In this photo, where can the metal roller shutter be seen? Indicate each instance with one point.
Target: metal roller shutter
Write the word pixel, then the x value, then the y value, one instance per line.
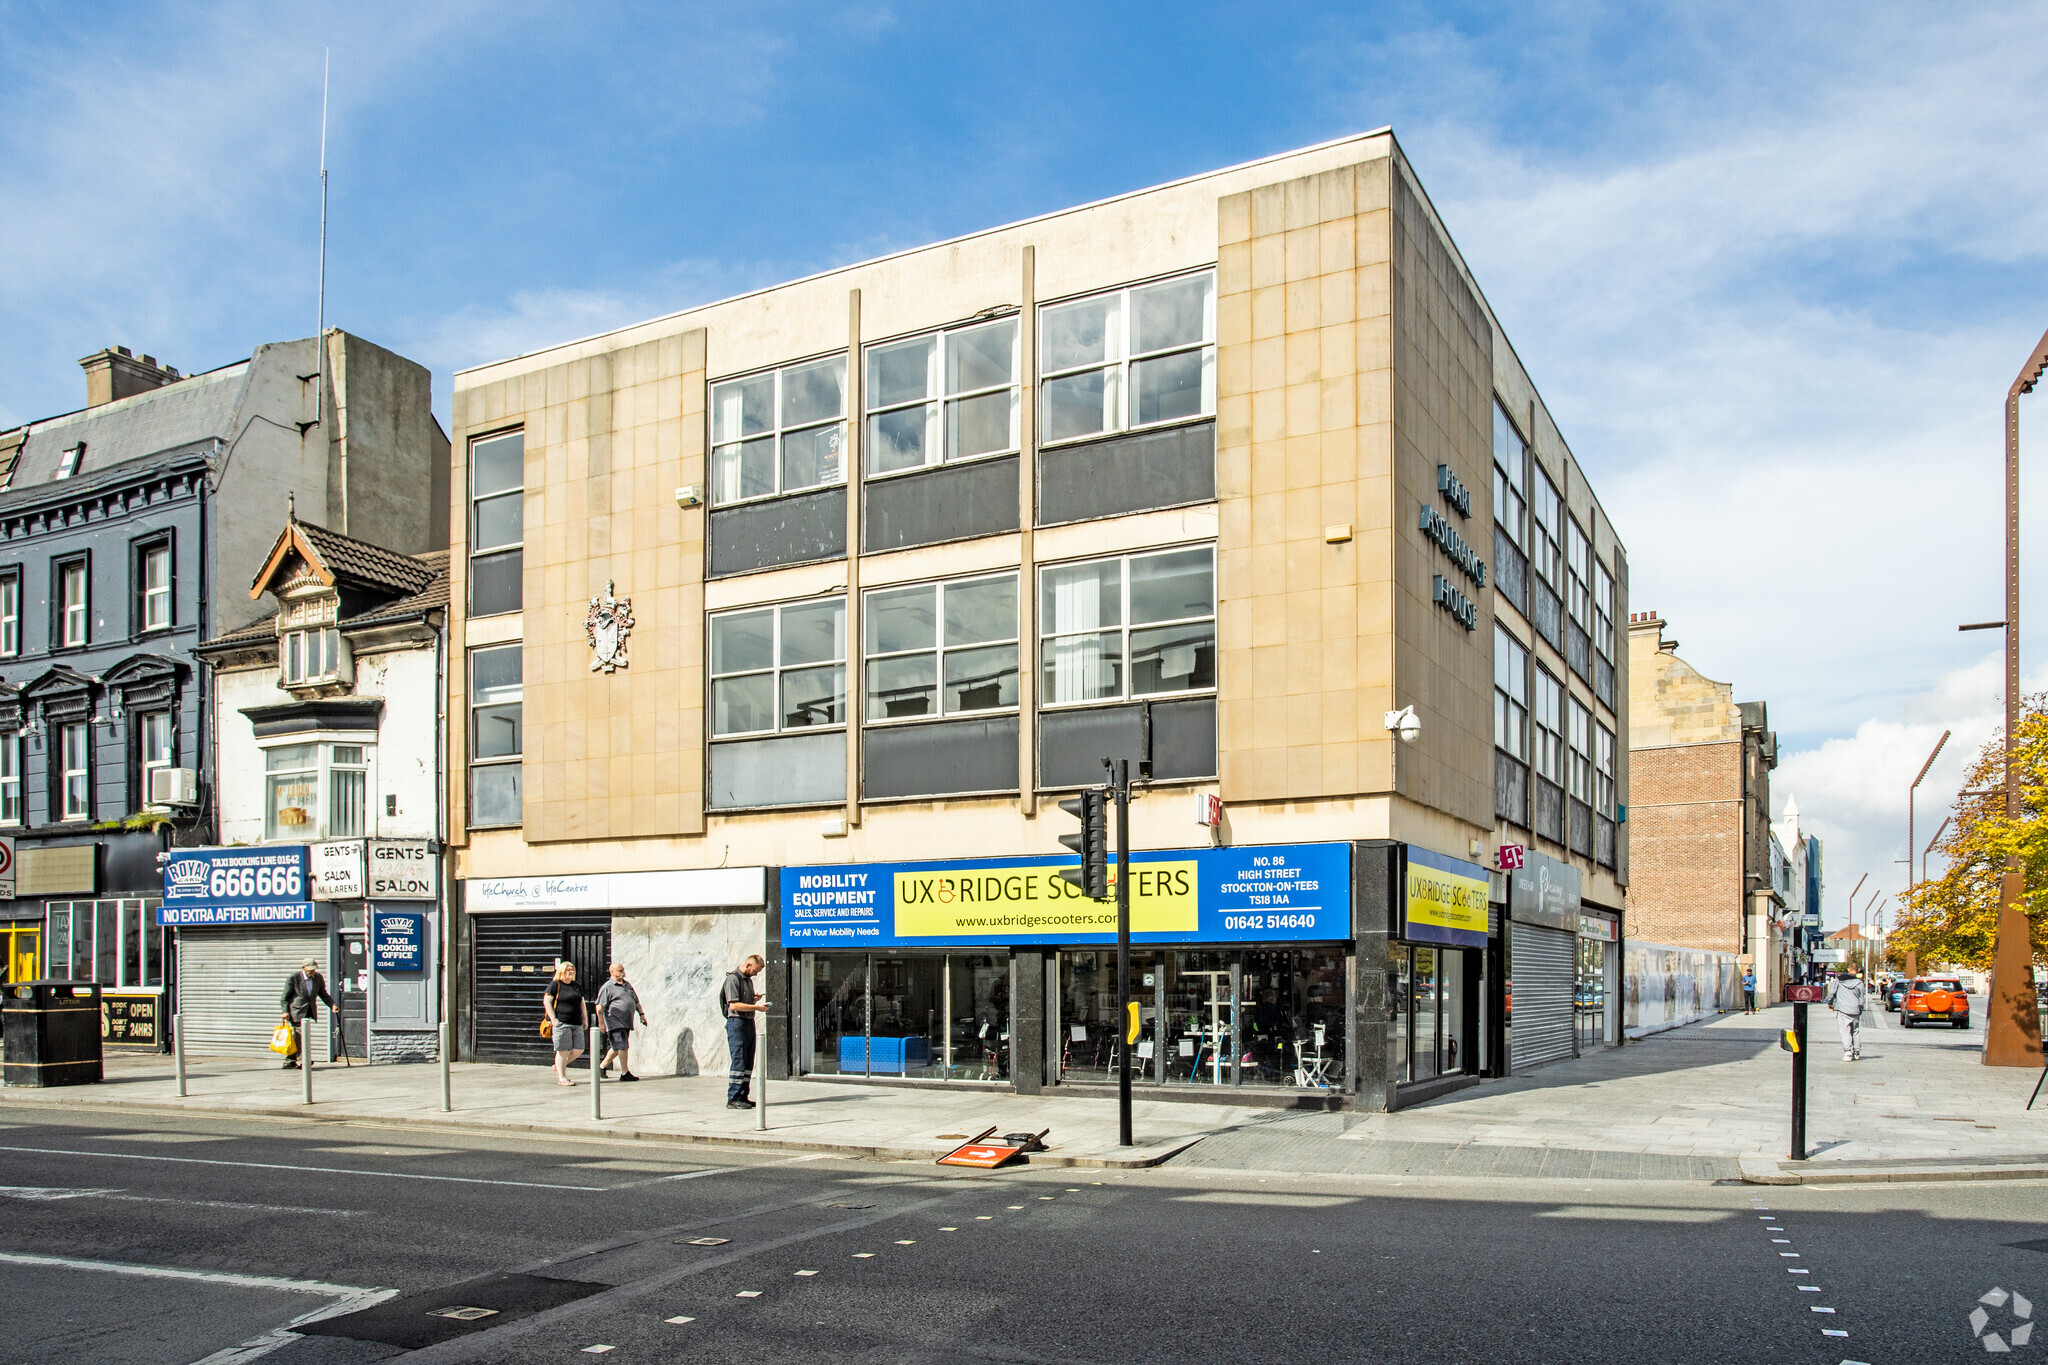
pixel 229 981
pixel 515 958
pixel 1545 970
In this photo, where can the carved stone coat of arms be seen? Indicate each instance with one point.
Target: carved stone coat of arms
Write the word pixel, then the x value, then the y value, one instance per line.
pixel 609 623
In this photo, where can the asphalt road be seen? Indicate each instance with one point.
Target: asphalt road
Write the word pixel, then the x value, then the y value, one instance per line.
pixel 173 1240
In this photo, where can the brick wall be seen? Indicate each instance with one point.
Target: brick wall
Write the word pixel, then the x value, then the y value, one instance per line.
pixel 1685 845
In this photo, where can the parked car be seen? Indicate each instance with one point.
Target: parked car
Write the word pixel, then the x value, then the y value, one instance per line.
pixel 1935 1000
pixel 1895 994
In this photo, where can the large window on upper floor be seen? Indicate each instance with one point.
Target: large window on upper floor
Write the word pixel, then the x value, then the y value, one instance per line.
pixel 311 656
pixel 496 734
pixel 313 791
pixel 1510 695
pixel 1510 476
pixel 1579 570
pixel 1128 358
pixel 72 626
pixel 1132 626
pixel 1548 715
pixel 1603 611
pixel 73 749
pixel 497 523
pixel 779 668
pixel 10 780
pixel 10 614
pixel 1580 783
pixel 154 749
pixel 1546 531
pixel 151 570
pixel 941 649
pixel 942 397
pixel 1603 770
pixel 780 431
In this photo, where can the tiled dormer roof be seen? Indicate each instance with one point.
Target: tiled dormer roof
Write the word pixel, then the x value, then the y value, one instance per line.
pixel 344 561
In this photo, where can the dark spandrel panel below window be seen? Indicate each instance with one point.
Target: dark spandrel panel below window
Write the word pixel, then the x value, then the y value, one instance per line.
pixel 785 770
pixel 798 529
pixel 1603 680
pixel 1549 811
pixel 1072 744
pixel 937 759
pixel 951 502
pixel 1510 789
pixel 1133 473
pixel 494 794
pixel 1547 613
pixel 1581 820
pixel 494 583
pixel 1603 841
pixel 1510 571
pixel 1579 650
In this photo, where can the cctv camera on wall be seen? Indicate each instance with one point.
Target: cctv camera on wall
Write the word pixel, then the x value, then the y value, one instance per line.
pixel 1405 723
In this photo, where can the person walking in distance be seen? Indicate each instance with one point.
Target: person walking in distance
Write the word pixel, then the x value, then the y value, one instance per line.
pixel 1847 999
pixel 737 1003
pixel 617 1003
pixel 569 1014
pixel 1749 991
pixel 303 992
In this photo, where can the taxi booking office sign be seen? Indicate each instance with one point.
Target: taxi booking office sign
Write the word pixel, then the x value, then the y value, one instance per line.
pixel 1261 894
pixel 237 886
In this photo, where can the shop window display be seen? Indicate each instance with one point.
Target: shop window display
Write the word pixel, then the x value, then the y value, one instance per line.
pixel 937 1016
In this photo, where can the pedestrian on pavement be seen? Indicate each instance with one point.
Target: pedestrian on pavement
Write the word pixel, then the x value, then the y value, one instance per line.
pixel 304 989
pixel 617 1003
pixel 1749 991
pixel 1847 999
pixel 569 1014
pixel 737 1003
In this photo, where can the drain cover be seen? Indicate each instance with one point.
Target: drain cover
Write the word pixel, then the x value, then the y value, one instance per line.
pixel 707 1241
pixel 463 1314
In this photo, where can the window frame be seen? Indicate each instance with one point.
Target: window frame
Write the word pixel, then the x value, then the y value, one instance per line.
pixel 939 649
pixel 1604 781
pixel 1548 757
pixel 144 555
pixel 1578 562
pixel 1510 488
pixel 10 614
pixel 1579 748
pixel 1125 694
pixel 473 706
pixel 1603 610
pixel 64 773
pixel 778 431
pixel 13 808
pixel 937 401
pixel 1125 358
pixel 61 570
pixel 474 552
pixel 307 643
pixel 69 460
pixel 1546 545
pixel 1509 709
pixel 144 763
pixel 319 774
pixel 775 670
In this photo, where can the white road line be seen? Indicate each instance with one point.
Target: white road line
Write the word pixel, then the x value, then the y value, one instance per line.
pixel 311 1170
pixel 49 1192
pixel 348 1298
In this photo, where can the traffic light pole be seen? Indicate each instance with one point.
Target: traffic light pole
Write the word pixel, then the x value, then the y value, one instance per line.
pixel 1120 783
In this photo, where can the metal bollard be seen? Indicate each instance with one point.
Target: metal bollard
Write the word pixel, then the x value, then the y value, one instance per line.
pixel 178 1050
pixel 596 1082
pixel 761 1065
pixel 305 1066
pixel 447 1099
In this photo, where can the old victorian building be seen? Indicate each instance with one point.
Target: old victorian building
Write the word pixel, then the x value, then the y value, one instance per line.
pixel 129 531
pixel 327 721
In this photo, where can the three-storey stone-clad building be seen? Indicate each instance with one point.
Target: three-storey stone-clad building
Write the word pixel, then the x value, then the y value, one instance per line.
pixel 786 620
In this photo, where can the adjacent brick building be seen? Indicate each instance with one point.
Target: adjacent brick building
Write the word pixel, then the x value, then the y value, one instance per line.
pixel 1700 771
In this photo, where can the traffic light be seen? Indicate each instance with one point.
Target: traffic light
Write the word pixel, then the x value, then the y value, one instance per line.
pixel 1091 841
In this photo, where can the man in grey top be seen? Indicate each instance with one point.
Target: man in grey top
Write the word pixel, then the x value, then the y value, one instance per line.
pixel 736 1001
pixel 617 1003
pixel 1847 999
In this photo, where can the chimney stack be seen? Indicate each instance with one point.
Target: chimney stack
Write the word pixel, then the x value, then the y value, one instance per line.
pixel 117 373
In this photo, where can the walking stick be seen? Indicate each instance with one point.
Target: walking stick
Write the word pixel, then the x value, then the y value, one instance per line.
pixel 2037 1088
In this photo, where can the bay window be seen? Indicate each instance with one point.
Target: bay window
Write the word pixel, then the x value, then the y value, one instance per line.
pixel 1132 626
pixel 942 397
pixel 309 656
pixel 295 778
pixel 1128 358
pixel 779 431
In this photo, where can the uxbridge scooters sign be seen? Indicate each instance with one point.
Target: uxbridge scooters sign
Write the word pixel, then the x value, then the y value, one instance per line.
pixel 236 886
pixel 1269 893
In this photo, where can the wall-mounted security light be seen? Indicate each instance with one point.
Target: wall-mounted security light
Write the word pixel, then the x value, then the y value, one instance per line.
pixel 690 495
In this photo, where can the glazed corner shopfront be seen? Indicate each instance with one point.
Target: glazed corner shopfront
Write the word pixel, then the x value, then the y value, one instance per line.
pixel 1313 974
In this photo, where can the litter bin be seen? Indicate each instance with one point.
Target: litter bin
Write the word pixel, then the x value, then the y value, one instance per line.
pixel 51 1033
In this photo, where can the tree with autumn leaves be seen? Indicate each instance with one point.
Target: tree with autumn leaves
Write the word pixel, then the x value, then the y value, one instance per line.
pixel 1953 918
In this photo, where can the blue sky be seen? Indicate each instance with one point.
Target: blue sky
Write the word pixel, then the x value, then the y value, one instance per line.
pixel 1772 267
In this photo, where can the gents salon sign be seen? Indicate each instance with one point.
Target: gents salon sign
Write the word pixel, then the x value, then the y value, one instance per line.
pixel 1266 893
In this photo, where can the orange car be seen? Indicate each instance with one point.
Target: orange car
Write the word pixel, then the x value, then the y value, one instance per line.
pixel 1935 1000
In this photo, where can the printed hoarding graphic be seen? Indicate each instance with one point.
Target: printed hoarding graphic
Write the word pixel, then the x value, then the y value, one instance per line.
pixel 1445 899
pixel 1224 895
pixel 237 886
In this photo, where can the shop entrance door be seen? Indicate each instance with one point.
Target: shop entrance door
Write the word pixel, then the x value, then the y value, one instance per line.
pixel 352 997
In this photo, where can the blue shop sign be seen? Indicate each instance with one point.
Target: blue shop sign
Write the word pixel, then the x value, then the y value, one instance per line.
pixel 396 937
pixel 1261 894
pixel 236 886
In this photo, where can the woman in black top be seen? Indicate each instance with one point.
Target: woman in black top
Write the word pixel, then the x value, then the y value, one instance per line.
pixel 569 1012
